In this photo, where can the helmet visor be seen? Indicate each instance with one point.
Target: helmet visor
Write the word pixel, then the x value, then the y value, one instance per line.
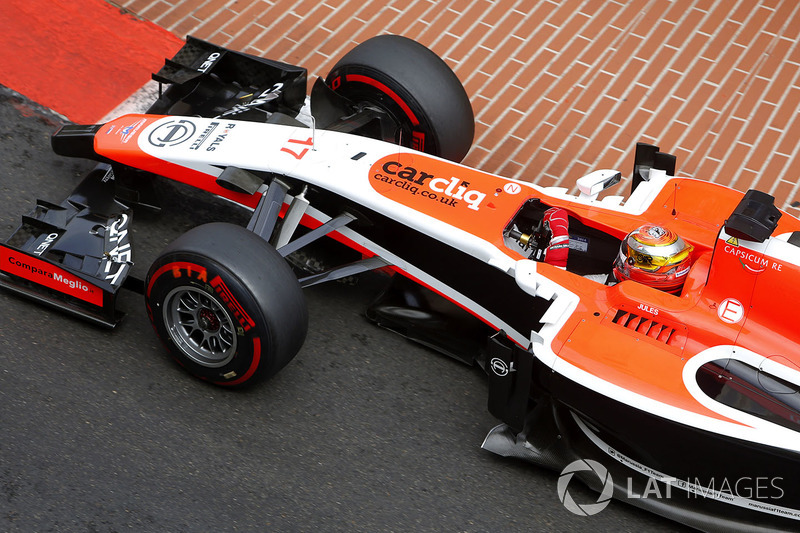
pixel 652 248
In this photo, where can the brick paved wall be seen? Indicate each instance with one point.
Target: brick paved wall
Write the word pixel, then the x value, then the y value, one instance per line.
pixel 560 88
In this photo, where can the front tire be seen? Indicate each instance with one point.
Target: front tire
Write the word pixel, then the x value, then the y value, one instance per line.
pixel 415 86
pixel 226 305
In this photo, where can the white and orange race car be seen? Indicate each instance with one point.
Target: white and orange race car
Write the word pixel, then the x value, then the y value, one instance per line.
pixel 654 334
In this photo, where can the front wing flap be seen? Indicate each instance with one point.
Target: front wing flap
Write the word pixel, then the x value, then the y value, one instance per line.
pixel 211 81
pixel 75 255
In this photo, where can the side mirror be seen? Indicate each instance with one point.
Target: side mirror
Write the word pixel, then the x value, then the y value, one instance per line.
pixel 594 183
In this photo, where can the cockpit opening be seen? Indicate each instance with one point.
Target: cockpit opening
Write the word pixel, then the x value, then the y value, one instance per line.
pixel 532 231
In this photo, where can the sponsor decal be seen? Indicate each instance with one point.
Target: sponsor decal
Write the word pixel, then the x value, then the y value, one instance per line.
pixel 126 133
pixel 49 275
pixel 210 60
pixel 122 254
pixel 172 133
pixel 203 136
pixel 220 137
pixel 45 243
pixel 273 93
pixel 751 261
pixel 448 191
pixel 118 231
pixel 499 367
pixel 233 305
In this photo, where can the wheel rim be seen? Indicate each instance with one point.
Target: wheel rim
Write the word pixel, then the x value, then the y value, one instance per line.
pixel 200 326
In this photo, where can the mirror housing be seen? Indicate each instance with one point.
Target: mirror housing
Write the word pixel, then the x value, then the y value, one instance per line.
pixel 595 182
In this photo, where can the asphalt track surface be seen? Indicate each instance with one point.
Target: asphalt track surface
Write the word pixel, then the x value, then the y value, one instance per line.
pixel 363 431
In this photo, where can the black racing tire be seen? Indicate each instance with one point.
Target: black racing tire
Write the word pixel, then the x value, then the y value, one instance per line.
pixel 415 86
pixel 226 305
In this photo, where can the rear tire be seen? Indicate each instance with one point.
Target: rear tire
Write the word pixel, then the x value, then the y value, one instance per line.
pixel 226 305
pixel 415 86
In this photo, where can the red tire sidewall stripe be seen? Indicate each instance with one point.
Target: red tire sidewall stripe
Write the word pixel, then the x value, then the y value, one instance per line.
pixel 193 267
pixel 169 266
pixel 250 371
pixel 384 89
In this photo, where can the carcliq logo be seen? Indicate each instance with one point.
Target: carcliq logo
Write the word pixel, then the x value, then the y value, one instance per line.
pixel 468 199
pixel 585 465
pixel 448 191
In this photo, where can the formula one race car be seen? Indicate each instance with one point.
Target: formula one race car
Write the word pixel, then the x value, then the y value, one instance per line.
pixel 655 335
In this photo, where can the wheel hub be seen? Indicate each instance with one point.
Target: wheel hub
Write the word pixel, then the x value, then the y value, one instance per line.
pixel 207 320
pixel 200 326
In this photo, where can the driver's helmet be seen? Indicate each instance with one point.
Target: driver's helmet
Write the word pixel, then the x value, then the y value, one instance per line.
pixel 655 256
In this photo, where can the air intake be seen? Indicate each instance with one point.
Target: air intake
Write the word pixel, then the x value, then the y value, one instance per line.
pixel 649 328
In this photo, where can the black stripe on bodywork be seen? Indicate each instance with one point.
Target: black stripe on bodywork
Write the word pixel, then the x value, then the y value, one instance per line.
pixel 489 287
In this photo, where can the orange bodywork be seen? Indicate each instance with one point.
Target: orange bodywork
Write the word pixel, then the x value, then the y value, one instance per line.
pixel 631 335
pixel 628 335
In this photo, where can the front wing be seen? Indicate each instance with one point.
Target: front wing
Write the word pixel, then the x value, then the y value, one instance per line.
pixel 75 255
